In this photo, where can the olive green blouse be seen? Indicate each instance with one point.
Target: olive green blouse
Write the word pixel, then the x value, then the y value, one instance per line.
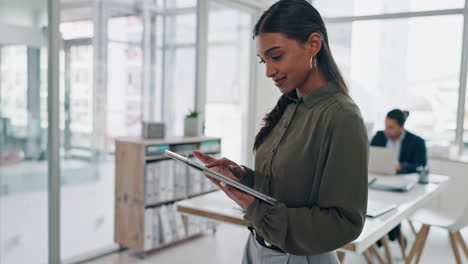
pixel 314 161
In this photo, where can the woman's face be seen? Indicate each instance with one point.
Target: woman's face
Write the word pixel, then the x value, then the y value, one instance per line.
pixel 286 60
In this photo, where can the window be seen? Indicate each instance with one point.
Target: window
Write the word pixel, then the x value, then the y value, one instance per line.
pixel 228 75
pixel 77 29
pixel 392 64
pixel 176 65
pixel 124 83
pixel 410 62
pixel 338 8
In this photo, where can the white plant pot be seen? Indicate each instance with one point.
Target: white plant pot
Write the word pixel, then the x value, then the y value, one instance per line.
pixel 193 127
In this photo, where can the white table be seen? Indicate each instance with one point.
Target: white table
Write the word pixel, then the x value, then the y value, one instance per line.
pixel 219 207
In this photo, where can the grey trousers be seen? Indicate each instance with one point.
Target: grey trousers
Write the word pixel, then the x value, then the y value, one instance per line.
pixel 254 253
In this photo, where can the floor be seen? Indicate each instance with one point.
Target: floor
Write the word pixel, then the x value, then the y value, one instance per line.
pixel 87 211
pixel 226 246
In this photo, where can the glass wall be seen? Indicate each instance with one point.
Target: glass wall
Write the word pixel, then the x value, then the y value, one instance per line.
pixel 96 111
pixel 176 40
pixel 23 134
pixel 228 76
pixel 101 98
pixel 124 93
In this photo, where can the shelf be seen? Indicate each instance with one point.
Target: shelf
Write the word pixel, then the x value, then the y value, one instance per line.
pixel 151 205
pixel 130 172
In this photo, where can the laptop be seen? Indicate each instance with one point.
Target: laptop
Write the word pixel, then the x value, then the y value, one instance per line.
pixel 382 161
pixel 392 184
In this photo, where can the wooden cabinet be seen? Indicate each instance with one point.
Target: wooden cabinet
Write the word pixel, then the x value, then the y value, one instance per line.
pixel 146 180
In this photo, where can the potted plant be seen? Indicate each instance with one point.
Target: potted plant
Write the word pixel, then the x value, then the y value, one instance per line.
pixel 193 126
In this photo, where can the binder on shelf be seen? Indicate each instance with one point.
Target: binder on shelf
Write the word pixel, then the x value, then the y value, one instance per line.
pixel 172 223
pixel 156 167
pixel 156 228
pixel 166 229
pixel 153 150
pixel 179 225
pixel 209 185
pixel 148 229
pixel 163 180
pixel 180 176
pixel 195 179
pixel 185 147
pixel 171 180
pixel 149 183
pixel 210 146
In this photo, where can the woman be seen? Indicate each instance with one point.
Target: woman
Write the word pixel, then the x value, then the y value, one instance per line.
pixel 410 149
pixel 311 154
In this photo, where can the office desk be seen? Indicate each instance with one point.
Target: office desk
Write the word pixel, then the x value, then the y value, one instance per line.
pixel 219 207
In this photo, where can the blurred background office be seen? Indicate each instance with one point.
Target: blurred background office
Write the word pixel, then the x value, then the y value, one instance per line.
pixel 124 61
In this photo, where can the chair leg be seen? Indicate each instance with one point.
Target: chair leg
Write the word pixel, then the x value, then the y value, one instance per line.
pixel 402 243
pixel 340 255
pixel 422 246
pixel 412 228
pixel 373 249
pixel 462 243
pixel 368 256
pixel 388 254
pixel 453 242
pixel 418 243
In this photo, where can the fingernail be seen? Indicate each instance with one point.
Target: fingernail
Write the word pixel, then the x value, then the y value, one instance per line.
pixel 223 184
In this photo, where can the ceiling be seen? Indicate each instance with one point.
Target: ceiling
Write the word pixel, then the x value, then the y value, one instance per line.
pixel 34 12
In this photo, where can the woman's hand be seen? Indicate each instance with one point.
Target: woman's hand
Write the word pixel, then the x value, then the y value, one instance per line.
pixel 229 169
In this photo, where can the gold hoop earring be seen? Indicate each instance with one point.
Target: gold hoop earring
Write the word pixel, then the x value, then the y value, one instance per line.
pixel 315 62
pixel 311 62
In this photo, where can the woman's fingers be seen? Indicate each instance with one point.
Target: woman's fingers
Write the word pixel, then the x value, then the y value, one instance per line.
pixel 203 157
pixel 236 170
pixel 211 162
pixel 221 162
pixel 226 172
pixel 232 166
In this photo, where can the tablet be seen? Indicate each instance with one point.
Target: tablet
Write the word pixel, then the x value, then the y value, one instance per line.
pixel 221 177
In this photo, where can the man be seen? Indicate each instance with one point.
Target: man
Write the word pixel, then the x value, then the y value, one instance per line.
pixel 410 150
